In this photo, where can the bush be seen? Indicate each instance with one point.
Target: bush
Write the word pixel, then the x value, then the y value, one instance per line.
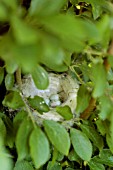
pixel 63 36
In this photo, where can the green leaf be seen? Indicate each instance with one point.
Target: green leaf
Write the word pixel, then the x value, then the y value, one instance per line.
pixel 100 80
pixel 51 49
pixel 109 142
pixel 9 81
pixel 110 60
pixel 110 77
pixel 39 104
pixel 72 26
pixel 67 58
pixel 69 169
pixel 106 157
pixel 70 30
pixel 22 138
pixel 83 98
pixel 105 107
pixel 22 56
pixel 54 156
pixel 60 156
pixel 13 100
pixel 102 126
pixel 1 74
pixel 55 166
pixel 40 77
pixel 95 165
pixel 65 112
pixel 2 115
pixel 43 7
pixel 12 4
pixel 74 2
pixel 23 165
pixel 2 133
pixel 96 10
pixel 93 135
pixel 9 132
pixel 11 66
pixel 103 26
pixel 74 157
pixel 6 39
pixel 97 6
pixel 58 136
pixel 39 147
pixel 3 13
pixel 6 162
pixel 81 144
pixel 111 126
pixel 20 116
pixel 22 32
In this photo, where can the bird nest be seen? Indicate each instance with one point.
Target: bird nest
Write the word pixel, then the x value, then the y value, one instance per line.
pixel 62 91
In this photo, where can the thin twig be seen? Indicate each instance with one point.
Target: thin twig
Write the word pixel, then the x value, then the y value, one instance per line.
pixel 110 52
pixel 73 70
pixel 18 78
pixel 86 114
pixel 28 109
pixel 19 82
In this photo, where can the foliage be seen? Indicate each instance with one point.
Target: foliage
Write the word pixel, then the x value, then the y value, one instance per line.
pixel 72 36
